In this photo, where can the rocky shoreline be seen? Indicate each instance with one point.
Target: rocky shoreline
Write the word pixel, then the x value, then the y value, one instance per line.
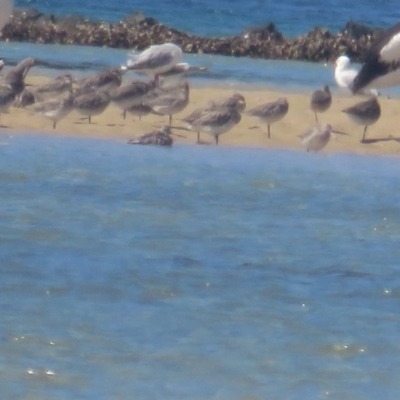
pixel 138 32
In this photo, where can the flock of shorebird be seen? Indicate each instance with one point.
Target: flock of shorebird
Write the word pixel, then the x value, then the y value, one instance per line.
pixel 91 95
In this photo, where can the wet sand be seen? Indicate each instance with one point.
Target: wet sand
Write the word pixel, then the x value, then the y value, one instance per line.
pixel 383 137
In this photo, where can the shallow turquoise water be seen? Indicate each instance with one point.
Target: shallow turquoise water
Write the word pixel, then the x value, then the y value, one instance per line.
pixel 196 272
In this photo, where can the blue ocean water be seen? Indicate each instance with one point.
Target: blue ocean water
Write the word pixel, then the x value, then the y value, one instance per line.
pixel 196 272
pixel 230 17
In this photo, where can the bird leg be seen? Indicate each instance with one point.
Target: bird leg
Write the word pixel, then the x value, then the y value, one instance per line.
pixel 365 131
pixel 54 124
pixel 316 117
pixel 198 137
pixel 170 120
pixel 269 132
pixel 216 139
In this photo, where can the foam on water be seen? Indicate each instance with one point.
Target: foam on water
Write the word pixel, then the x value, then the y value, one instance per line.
pixel 196 272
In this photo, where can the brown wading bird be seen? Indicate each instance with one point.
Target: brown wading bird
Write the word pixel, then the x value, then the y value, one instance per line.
pixel 171 101
pixel 365 113
pixel 270 113
pixel 158 138
pixel 54 109
pixel 107 80
pixel 12 83
pixel 55 87
pixel 139 110
pixel 127 96
pixel 236 101
pixel 214 121
pixel 94 102
pixel 191 119
pixel 321 100
pixel 15 77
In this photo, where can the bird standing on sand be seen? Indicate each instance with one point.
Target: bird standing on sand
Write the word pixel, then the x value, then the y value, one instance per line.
pixel 94 102
pixel 270 112
pixel 171 102
pixel 382 63
pixel 215 121
pixel 131 94
pixel 15 77
pixel 156 60
pixel 107 80
pixel 12 83
pixel 365 113
pixel 139 110
pixel 321 100
pixel 54 109
pixel 7 97
pixel 158 138
pixel 236 101
pixel 55 87
pixel 191 119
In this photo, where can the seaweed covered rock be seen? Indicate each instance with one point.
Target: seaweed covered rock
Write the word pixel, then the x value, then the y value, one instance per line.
pixel 137 31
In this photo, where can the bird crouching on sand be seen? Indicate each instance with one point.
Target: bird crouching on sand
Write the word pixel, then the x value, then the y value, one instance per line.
pixel 316 137
pixel 157 138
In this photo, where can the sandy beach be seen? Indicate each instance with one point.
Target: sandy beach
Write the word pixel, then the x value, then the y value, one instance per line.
pixel 383 137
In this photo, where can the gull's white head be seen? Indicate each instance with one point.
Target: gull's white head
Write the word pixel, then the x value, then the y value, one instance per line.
pixel 342 62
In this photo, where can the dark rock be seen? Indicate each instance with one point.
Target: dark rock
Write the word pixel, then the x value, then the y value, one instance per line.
pixel 262 32
pixel 138 32
pixel 139 18
pixel 354 30
pixel 27 14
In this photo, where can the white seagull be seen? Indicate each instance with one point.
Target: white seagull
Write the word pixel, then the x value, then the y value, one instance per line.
pixel 156 60
pixel 382 63
pixel 344 75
